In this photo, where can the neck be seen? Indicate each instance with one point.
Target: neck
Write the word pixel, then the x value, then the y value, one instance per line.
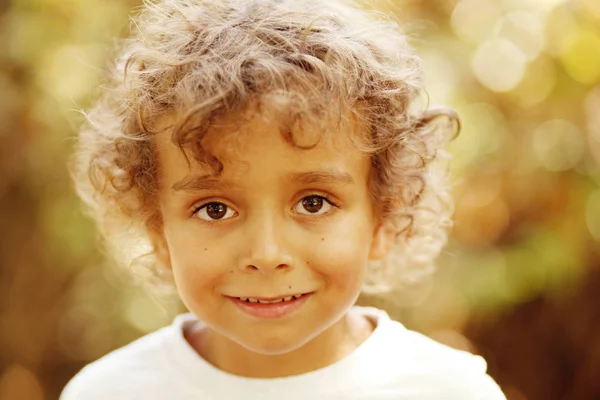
pixel 330 346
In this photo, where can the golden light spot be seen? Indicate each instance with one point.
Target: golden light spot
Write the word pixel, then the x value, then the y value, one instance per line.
pixel 499 65
pixel 70 72
pixel 441 78
pixel 580 56
pixel 558 145
pixel 525 29
pixel 537 84
pixel 143 313
pixel 473 20
pixel 484 130
pixel 560 24
pixel 590 7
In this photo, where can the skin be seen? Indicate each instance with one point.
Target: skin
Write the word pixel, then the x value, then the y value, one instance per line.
pixel 267 232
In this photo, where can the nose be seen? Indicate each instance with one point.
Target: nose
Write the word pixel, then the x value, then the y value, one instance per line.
pixel 264 245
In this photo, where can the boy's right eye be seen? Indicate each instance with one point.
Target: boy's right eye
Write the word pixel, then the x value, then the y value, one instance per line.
pixel 214 211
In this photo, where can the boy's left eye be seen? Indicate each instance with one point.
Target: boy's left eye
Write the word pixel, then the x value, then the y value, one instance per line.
pixel 214 211
pixel 313 205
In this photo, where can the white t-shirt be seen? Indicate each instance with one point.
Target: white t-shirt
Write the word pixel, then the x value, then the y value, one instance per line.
pixel 393 363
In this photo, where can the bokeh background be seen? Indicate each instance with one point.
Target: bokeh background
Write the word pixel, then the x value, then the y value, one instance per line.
pixel 519 282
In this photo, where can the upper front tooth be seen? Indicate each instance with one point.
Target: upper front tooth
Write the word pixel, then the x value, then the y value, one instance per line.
pixel 252 300
pixel 296 296
pixel 243 298
pixel 269 301
pixel 288 298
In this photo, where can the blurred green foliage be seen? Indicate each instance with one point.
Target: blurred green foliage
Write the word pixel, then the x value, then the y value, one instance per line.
pixel 523 75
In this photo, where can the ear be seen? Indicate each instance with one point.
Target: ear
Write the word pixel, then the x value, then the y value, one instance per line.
pixel 382 242
pixel 161 248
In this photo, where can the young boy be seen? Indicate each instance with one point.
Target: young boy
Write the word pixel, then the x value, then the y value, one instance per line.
pixel 266 158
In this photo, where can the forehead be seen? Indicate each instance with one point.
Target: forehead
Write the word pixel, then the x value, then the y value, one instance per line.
pixel 268 142
pixel 332 131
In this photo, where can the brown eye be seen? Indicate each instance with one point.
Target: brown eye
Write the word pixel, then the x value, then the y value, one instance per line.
pixel 214 211
pixel 313 205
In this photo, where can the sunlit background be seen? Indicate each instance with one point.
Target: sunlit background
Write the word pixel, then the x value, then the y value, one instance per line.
pixel 519 282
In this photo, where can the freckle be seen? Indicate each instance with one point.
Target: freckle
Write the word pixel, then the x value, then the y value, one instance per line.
pixel 308 262
pixel 205 249
pixel 289 287
pixel 231 272
pixel 322 239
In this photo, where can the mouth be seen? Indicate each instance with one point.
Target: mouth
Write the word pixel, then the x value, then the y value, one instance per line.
pixel 271 307
pixel 271 300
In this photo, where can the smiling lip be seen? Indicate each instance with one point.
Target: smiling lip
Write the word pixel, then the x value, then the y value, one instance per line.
pixel 270 298
pixel 272 310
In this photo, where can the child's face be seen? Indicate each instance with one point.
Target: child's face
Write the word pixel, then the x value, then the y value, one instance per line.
pixel 269 230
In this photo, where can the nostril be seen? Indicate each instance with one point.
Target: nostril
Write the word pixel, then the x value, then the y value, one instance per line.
pixel 258 268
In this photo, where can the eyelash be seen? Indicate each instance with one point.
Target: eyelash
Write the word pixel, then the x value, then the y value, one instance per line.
pixel 327 199
pixel 334 206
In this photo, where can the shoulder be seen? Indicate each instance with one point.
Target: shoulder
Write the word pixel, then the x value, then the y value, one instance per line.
pixel 122 372
pixel 442 370
pixel 430 370
pixel 453 373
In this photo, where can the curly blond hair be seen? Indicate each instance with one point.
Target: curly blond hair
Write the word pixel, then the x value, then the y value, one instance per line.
pixel 204 59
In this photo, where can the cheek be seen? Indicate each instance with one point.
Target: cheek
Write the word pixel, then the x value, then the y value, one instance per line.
pixel 195 262
pixel 342 257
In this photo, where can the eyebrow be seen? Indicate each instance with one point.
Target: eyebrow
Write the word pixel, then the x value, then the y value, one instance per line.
pixel 331 177
pixel 208 182
pixel 200 182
